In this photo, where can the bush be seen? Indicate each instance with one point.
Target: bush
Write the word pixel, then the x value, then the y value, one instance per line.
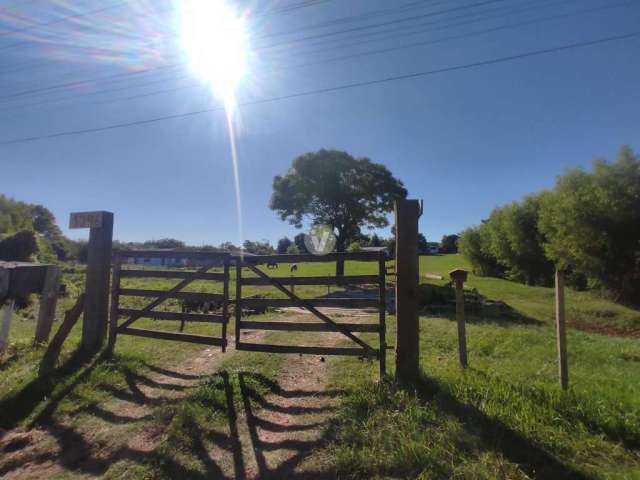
pixel 591 222
pixel 354 247
pixel 588 225
pixel 471 246
pixel 20 247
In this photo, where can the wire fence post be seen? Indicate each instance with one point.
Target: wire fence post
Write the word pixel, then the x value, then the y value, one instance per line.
pixel 561 333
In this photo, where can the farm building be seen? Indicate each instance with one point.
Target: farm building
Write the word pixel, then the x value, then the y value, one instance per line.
pixel 157 261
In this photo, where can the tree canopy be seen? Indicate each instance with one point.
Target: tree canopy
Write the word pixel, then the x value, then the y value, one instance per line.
pixel 588 225
pixel 334 188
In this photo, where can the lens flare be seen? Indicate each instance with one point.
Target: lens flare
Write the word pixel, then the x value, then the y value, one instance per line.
pixel 215 41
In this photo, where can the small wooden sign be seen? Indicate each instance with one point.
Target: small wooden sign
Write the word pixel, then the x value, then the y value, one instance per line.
pixel 86 220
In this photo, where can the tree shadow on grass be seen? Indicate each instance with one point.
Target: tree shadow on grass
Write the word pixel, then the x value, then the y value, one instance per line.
pixel 496 436
pixel 572 407
pixel 21 404
pixel 439 300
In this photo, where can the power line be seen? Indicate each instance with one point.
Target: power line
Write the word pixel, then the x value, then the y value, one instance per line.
pixel 347 86
pixel 113 77
pixel 275 11
pixel 308 64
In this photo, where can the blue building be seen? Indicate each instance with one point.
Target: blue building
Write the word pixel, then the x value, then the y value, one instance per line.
pixel 158 261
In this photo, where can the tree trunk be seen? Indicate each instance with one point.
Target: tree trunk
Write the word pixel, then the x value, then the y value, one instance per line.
pixel 340 248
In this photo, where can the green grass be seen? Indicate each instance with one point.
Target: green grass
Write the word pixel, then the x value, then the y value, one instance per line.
pixel 505 416
pixel 586 308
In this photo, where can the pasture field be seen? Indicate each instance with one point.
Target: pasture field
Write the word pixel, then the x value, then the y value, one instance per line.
pixel 504 417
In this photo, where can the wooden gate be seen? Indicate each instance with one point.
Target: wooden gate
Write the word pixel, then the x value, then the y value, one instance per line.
pixel 286 285
pixel 156 264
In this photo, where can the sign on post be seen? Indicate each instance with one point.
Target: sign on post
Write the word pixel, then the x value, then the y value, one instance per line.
pixel 96 311
pixel 86 219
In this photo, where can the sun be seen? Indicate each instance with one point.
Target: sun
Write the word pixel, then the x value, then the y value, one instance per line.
pixel 215 40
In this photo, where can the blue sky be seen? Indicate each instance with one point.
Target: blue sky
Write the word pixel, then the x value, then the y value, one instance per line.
pixel 463 141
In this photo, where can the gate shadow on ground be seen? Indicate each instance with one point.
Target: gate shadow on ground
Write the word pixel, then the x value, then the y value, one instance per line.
pixel 297 450
pixel 77 450
pixel 496 436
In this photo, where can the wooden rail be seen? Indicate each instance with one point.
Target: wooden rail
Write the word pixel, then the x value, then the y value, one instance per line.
pixel 307 258
pixel 190 317
pixel 346 280
pixel 160 335
pixel 124 273
pixel 186 254
pixel 203 296
pixel 352 351
pixel 314 302
pixel 308 326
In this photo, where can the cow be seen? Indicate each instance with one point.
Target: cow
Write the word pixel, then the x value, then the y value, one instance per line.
pixel 294 267
pixel 272 265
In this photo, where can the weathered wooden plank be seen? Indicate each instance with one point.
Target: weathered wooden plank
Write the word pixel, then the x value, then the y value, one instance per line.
pixel 115 300
pixel 48 301
pixel 238 300
pixel 407 213
pixel 352 351
pixel 308 327
pixel 314 302
pixel 96 310
pixel 346 280
pixel 136 292
pixel 190 317
pixel 183 337
pixel 190 254
pixel 131 273
pixel 71 316
pixel 382 297
pixel 225 304
pixel 304 258
pixel 6 312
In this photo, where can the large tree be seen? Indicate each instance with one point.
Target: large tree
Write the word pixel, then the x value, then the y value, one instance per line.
pixel 334 188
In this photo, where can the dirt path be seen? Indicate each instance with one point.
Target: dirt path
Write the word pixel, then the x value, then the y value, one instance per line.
pixel 111 431
pixel 273 435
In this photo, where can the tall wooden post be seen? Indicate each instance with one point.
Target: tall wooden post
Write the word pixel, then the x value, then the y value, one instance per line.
pixel 459 276
pixel 6 312
pixel 238 310
pixel 561 334
pixel 407 213
pixel 96 311
pixel 382 307
pixel 115 302
pixel 48 301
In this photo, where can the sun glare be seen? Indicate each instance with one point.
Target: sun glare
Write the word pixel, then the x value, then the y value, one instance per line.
pixel 215 40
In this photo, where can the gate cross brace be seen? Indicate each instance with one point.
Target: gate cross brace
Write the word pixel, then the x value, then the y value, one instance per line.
pixel 164 297
pixel 310 307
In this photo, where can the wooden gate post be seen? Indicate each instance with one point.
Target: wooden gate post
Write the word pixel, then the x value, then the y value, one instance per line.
pixel 407 213
pixel 459 276
pixel 48 301
pixel 561 334
pixel 96 311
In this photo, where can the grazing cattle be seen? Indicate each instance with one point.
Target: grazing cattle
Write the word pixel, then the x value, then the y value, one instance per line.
pixel 294 267
pixel 272 266
pixel 194 305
